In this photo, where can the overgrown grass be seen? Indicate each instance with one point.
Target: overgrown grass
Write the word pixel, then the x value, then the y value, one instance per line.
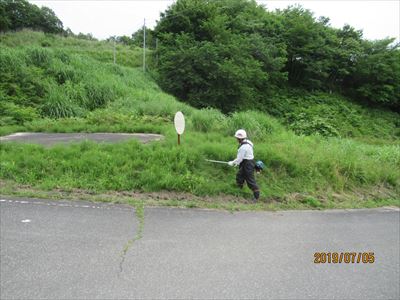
pixel 295 165
pixel 307 146
pixel 101 51
pixel 332 115
pixel 53 83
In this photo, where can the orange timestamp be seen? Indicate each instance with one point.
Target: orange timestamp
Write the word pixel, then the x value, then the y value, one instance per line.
pixel 344 257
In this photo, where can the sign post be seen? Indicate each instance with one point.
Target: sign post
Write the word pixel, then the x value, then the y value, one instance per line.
pixel 179 122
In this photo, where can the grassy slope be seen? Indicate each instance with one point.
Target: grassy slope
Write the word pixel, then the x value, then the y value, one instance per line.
pixel 303 171
pixel 335 115
pixel 99 50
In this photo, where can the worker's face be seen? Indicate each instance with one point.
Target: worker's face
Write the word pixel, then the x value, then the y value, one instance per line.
pixel 239 140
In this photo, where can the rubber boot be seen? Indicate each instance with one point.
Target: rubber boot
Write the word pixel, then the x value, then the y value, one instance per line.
pixel 256 195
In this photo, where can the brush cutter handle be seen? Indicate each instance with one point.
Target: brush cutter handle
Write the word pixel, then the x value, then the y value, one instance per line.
pixel 217 161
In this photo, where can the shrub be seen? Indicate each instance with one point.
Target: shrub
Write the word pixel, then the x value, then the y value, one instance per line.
pixel 12 114
pixel 58 105
pixel 257 124
pixel 76 93
pixel 99 117
pixel 208 119
pixel 63 56
pixel 332 115
pixel 61 72
pixel 167 106
pixel 39 57
pixel 307 125
pixel 98 94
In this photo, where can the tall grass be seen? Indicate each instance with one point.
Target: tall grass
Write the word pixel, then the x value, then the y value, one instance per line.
pixel 207 120
pixel 332 115
pixel 59 84
pixel 101 51
pixel 258 125
pixel 58 105
pixel 294 165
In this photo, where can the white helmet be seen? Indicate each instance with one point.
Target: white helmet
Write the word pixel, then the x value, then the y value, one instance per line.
pixel 241 134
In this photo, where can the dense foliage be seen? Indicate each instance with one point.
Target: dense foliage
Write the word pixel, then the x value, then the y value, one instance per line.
pixel 230 54
pixel 19 14
pixel 212 54
pixel 136 39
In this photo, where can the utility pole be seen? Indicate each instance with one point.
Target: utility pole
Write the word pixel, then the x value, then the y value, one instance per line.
pixel 114 50
pixel 157 51
pixel 144 45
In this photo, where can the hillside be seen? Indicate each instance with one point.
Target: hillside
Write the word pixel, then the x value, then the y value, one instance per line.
pixel 322 151
pixel 99 50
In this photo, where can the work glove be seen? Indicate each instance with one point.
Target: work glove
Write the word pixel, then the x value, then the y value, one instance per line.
pixel 231 163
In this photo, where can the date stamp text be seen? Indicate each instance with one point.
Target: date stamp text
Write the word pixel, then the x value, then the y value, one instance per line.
pixel 344 257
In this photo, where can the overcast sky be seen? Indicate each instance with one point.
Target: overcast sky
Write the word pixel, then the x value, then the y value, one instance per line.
pixel 377 18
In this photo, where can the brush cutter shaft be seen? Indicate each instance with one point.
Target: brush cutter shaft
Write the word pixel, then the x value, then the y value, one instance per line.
pixel 217 161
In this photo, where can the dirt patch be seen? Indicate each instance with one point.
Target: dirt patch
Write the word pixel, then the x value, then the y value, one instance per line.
pixel 138 195
pixel 48 139
pixel 158 196
pixel 168 195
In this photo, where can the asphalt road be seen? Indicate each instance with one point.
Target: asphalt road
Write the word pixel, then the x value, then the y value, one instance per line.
pixel 49 139
pixel 74 250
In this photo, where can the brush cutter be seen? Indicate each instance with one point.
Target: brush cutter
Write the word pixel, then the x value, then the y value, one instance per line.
pixel 217 161
pixel 259 165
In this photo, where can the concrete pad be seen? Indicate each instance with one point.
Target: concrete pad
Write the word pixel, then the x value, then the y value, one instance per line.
pixel 49 139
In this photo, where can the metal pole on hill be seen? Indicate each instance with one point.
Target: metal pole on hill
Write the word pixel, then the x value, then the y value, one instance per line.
pixel 144 45
pixel 157 51
pixel 114 50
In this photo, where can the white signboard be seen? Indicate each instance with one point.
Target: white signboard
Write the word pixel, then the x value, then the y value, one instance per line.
pixel 179 121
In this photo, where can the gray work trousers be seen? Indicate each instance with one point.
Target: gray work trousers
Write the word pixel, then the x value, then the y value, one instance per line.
pixel 246 173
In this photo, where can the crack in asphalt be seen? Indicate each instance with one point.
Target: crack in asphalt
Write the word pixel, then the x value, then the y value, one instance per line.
pixel 139 212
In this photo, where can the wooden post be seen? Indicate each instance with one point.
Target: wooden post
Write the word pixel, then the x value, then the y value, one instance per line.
pixel 179 139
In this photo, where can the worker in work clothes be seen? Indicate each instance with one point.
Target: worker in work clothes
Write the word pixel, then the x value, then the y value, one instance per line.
pixel 245 161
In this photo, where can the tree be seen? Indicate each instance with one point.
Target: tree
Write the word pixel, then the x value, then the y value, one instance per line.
pixel 49 21
pixel 5 22
pixel 376 74
pixel 85 36
pixel 137 38
pixel 347 51
pixel 19 14
pixel 217 53
pixel 232 54
pixel 310 47
pixel 124 39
